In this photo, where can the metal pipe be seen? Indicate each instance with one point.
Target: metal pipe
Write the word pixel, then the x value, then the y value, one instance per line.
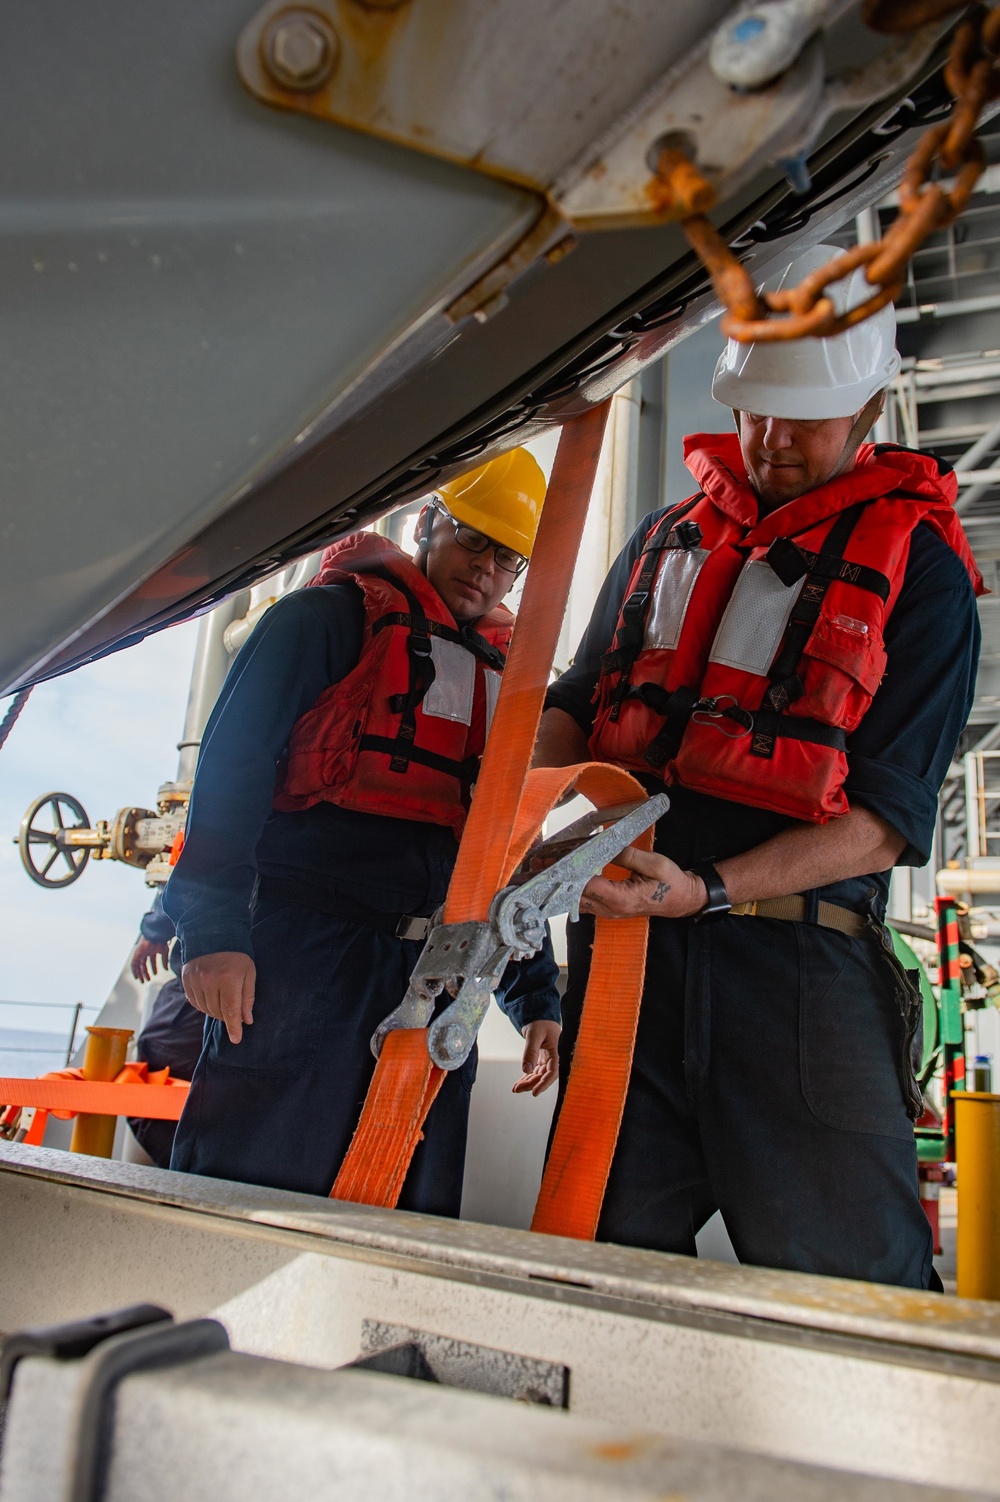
pixel 867 228
pixel 977 1146
pixel 77 1009
pixel 988 741
pixel 913 930
pixel 307 568
pixel 208 674
pixel 982 446
pixel 973 822
pixel 969 460
pixel 955 882
pixel 103 1058
pixel 988 304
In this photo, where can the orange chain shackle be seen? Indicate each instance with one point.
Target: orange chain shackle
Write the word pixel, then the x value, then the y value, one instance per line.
pixel 925 206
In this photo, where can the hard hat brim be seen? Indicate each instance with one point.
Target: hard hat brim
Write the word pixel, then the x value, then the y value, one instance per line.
pixel 508 537
pixel 799 403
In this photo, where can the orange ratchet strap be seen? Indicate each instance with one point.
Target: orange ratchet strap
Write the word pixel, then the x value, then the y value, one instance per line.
pixel 67 1094
pixel 506 814
pixel 64 1093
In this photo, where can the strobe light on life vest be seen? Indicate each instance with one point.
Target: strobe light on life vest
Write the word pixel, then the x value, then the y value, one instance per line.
pixel 812 378
pixel 502 499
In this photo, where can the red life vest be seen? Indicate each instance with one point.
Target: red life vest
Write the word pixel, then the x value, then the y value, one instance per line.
pixel 402 733
pixel 748 649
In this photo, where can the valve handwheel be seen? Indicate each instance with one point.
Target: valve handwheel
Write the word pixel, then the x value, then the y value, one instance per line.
pixel 47 839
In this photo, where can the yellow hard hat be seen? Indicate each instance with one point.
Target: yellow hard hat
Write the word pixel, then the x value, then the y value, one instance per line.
pixel 502 498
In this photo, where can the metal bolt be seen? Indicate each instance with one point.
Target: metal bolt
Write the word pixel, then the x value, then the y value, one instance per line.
pixel 453 1041
pixel 300 50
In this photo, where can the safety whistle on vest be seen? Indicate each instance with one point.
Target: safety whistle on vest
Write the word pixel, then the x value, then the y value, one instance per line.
pixel 465 961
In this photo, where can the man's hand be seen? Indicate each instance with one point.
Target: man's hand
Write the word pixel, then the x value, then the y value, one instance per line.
pixel 222 986
pixel 541 1057
pixel 147 957
pixel 656 888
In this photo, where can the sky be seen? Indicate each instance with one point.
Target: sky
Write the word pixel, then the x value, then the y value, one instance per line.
pixel 106 733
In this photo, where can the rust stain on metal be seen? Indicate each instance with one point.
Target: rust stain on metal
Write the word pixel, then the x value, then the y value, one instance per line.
pixel 616 1450
pixel 561 249
pixel 383 46
pixel 677 188
pixel 484 292
pixel 620 1450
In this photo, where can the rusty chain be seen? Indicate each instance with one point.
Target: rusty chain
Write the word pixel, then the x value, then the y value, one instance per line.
pixel 972 74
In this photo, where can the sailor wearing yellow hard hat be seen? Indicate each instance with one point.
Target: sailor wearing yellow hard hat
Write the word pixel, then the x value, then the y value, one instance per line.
pixel 334 780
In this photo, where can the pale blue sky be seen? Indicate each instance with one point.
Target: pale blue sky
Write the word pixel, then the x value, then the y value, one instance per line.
pixel 107 734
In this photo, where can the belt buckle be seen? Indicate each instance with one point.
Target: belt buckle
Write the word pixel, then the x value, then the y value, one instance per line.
pixel 413 928
pixel 746 909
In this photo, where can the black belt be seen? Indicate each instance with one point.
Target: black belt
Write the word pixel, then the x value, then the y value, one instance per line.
pixel 302 894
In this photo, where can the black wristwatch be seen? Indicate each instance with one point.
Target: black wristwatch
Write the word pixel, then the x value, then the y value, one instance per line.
pixel 718 903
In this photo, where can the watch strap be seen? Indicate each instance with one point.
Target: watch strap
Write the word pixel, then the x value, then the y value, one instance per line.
pixel 717 904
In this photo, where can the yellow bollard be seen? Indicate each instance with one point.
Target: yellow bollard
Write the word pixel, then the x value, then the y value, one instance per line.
pixel 103 1059
pixel 977 1152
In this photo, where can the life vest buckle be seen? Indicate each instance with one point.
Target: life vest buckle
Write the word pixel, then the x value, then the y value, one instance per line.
pixel 724 707
pixel 688 535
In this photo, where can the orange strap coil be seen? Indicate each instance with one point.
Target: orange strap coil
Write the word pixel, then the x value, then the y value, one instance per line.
pixel 506 815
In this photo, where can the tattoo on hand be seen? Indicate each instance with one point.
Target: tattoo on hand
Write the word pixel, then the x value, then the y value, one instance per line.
pixel 662 888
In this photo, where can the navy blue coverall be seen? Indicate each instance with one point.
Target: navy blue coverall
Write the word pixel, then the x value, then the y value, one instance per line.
pixel 771 1058
pixel 280 1107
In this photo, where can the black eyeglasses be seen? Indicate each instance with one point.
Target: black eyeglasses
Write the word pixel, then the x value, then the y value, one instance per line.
pixel 477 542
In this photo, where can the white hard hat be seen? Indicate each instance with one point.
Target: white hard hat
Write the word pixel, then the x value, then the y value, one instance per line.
pixel 809 378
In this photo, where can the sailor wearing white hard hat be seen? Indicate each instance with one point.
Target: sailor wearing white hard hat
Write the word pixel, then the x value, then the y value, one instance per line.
pixel 792 651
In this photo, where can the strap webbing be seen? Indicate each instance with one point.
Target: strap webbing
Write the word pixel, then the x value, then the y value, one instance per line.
pixel 791 563
pixel 465 770
pixel 402 1091
pixel 422 671
pixel 631 633
pixel 96 1097
pixel 466 637
pixel 785 683
pixel 677 708
pixel 768 726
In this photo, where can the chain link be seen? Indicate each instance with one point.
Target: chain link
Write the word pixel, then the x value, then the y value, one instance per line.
pixel 972 74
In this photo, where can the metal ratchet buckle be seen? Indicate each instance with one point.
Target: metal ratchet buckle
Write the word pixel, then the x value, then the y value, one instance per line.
pixel 466 960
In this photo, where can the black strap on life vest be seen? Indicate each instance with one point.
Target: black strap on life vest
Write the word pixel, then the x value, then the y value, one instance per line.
pixel 763 726
pixel 767 727
pixel 489 655
pixel 676 708
pixel 403 749
pixel 421 676
pixel 466 771
pixel 818 574
pixel 631 634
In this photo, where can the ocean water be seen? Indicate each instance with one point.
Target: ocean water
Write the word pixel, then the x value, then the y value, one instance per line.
pixel 24 1052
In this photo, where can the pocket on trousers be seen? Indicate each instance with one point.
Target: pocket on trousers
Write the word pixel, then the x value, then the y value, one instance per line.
pixel 295 1005
pixel 911 1011
pixel 853 1035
